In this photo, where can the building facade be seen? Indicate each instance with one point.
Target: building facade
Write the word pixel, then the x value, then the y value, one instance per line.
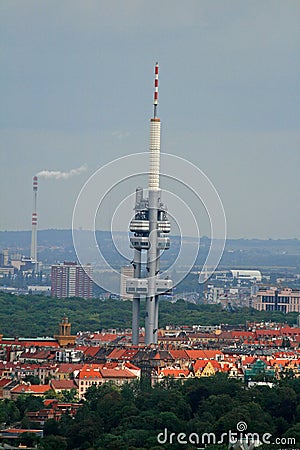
pixel 272 299
pixel 71 280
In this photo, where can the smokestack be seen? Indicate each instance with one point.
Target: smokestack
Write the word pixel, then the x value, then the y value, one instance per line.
pixel 33 251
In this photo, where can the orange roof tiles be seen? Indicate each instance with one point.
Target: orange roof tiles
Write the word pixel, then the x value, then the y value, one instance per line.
pixel 31 389
pixel 211 354
pixel 242 334
pixel 104 337
pixel 179 354
pixel 201 363
pixel 52 344
pixel 116 373
pixel 195 354
pixel 177 373
pixel 5 381
pixel 131 366
pixel 91 351
pixel 69 367
pixel 249 360
pixel 268 333
pixel 63 384
pixel 23 343
pixel 90 371
pixel 129 353
pixel 280 362
pixel 203 354
pixel 116 353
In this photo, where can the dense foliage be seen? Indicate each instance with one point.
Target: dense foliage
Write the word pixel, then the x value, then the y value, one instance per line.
pixel 33 315
pixel 132 416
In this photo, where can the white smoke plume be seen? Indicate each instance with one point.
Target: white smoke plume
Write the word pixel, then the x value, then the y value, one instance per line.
pixel 58 175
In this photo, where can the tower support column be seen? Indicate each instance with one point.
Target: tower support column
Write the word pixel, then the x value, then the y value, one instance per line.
pixel 136 299
pixel 150 329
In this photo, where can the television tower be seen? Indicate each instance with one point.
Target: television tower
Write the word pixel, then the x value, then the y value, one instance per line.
pixel 33 250
pixel 149 226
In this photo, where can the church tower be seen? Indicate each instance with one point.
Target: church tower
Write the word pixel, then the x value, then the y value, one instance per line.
pixel 64 337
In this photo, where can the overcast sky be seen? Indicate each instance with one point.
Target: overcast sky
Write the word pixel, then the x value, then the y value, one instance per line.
pixel 76 89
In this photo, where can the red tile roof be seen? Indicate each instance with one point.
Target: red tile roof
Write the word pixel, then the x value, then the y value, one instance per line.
pixel 91 351
pixel 63 385
pixel 242 334
pixel 31 389
pixel 29 343
pixel 211 354
pixel 117 353
pixel 69 368
pixel 280 362
pixel 104 337
pixel 52 344
pixel 129 353
pixel 249 360
pixel 21 430
pixel 176 373
pixel 5 381
pixel 130 366
pixel 90 371
pixel 179 354
pixel 202 363
pixel 116 373
pixel 203 354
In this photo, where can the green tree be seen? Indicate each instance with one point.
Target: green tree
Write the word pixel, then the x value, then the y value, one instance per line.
pixel 52 428
pixel 53 443
pixel 130 417
pixel 29 439
pixel 28 403
pixel 32 379
pixel 293 432
pixel 12 412
pixel 70 396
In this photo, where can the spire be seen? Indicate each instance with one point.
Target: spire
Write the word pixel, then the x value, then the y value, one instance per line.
pixel 155 99
pixel 154 140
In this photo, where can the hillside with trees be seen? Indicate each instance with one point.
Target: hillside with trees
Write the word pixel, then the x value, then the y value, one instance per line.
pixel 35 315
pixel 132 416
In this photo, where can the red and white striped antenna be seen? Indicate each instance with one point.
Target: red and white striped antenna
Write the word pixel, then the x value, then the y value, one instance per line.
pixel 155 100
pixel 34 219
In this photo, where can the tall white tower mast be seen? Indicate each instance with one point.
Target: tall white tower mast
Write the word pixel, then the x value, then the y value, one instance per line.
pixel 154 203
pixel 149 227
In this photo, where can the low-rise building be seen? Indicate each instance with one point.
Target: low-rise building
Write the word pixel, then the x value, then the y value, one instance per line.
pixel 37 390
pixel 53 410
pixel 273 299
pixel 97 374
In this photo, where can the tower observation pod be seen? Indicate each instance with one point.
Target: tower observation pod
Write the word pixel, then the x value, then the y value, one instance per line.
pixel 149 227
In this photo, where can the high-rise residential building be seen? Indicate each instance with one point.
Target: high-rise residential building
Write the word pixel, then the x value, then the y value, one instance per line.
pixel 4 258
pixel 274 299
pixel 126 273
pixel 71 280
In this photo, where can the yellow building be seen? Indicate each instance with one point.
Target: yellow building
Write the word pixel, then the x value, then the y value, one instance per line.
pixel 204 368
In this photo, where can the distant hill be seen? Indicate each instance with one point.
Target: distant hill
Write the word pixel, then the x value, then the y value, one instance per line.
pixel 57 245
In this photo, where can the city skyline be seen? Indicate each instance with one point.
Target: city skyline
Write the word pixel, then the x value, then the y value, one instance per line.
pixel 75 84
